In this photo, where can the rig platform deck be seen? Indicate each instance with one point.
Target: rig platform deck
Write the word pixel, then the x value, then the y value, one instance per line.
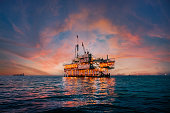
pixel 87 66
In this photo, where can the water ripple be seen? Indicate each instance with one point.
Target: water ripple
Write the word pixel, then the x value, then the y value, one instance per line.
pixel 71 94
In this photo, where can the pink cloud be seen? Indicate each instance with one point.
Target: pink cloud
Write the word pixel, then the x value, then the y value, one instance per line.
pixel 78 22
pixel 128 46
pixel 61 55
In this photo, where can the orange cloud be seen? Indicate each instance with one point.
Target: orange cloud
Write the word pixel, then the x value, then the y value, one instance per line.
pixel 126 44
pixel 129 51
pixel 62 54
pixel 81 22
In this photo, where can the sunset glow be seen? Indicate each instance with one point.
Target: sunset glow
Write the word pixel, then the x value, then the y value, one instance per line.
pixel 38 37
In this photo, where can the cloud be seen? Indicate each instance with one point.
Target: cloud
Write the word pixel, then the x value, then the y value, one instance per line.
pixel 48 32
pixel 17 29
pixel 15 43
pixel 84 21
pixel 62 54
pixel 13 67
pixel 31 70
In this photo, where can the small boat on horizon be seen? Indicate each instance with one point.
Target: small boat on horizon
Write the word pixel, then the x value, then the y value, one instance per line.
pixel 18 74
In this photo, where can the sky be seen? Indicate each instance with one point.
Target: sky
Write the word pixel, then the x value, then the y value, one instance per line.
pixel 38 36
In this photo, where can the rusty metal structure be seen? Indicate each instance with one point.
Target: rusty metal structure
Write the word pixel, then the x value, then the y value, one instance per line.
pixel 87 66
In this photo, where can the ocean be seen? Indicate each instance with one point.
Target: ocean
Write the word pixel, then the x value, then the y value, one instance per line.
pixel 48 94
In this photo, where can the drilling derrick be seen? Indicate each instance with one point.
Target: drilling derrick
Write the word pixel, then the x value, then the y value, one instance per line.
pixel 87 66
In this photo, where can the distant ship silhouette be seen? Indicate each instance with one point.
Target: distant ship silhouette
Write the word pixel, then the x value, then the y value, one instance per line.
pixel 18 74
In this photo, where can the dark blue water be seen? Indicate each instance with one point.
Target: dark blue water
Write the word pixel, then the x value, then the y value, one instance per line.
pixel 70 94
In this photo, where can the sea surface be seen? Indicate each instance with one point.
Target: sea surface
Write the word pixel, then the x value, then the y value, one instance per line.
pixel 43 94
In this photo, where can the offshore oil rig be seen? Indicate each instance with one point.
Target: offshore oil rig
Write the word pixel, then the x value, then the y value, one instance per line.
pixel 87 66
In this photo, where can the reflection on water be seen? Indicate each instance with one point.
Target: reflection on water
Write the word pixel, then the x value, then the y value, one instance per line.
pixel 27 93
pixel 88 90
pixel 115 94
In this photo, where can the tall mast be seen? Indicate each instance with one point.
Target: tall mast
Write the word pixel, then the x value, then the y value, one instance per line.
pixel 75 51
pixel 77 46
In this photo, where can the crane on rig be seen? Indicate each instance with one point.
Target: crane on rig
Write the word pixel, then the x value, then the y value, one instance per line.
pixel 83 48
